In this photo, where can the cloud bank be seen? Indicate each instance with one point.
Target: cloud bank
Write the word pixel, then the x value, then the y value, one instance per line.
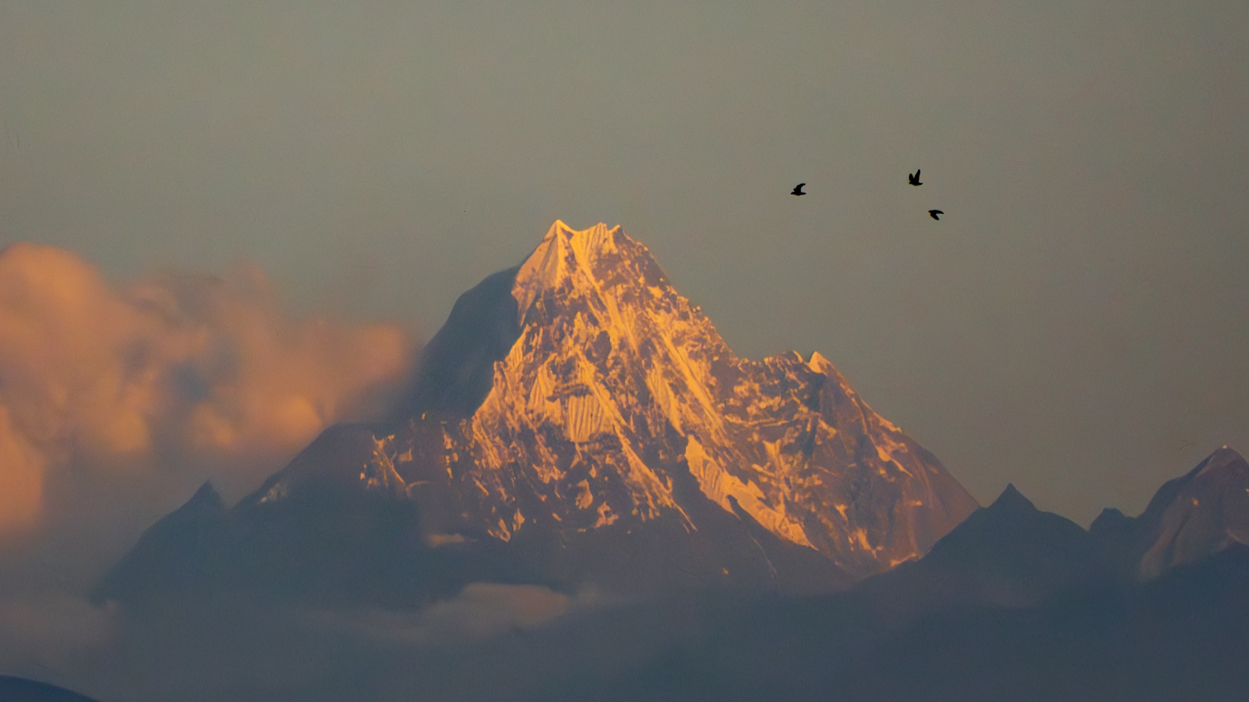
pixel 169 376
pixel 490 641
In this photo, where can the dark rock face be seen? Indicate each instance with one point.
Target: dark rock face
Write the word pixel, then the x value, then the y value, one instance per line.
pixel 456 368
pixel 577 422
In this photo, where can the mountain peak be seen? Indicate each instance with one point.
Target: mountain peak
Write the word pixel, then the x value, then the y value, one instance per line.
pixel 568 256
pixel 1222 460
pixel 1012 553
pixel 578 416
pixel 618 397
pixel 170 551
pixel 1011 500
pixel 206 497
pixel 1197 515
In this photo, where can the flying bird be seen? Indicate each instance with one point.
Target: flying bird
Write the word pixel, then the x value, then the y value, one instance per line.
pixel 934 213
pixel 914 178
pixel 798 189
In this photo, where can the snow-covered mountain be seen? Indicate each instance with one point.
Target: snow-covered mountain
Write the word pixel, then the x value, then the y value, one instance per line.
pixel 578 415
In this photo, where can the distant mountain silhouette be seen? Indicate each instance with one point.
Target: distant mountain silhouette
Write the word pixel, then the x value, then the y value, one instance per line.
pixel 1189 518
pixel 180 550
pixel 1007 554
pixel 22 690
pixel 1179 636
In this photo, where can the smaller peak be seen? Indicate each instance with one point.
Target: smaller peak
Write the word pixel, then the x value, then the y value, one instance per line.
pixel 206 497
pixel 818 364
pixel 559 229
pixel 1224 455
pixel 1226 452
pixel 1111 513
pixel 1110 519
pixel 1011 500
pixel 1221 460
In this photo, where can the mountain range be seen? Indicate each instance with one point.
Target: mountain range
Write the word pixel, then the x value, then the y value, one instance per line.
pixel 577 424
pixel 1014 603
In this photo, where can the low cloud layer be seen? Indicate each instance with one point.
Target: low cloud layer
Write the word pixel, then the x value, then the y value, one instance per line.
pixel 480 611
pixel 51 632
pixel 169 379
pixel 489 640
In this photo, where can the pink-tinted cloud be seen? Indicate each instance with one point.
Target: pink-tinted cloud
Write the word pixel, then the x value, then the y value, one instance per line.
pixel 170 373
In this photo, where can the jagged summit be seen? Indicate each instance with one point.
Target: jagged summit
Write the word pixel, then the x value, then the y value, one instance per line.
pixel 570 257
pixel 457 366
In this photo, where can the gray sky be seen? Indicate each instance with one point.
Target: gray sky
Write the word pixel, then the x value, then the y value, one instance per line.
pixel 1076 323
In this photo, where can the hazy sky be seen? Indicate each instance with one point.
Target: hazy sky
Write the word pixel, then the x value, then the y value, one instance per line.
pixel 1077 322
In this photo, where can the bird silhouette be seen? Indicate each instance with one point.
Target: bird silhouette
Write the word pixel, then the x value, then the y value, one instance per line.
pixel 914 178
pixel 798 189
pixel 934 213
